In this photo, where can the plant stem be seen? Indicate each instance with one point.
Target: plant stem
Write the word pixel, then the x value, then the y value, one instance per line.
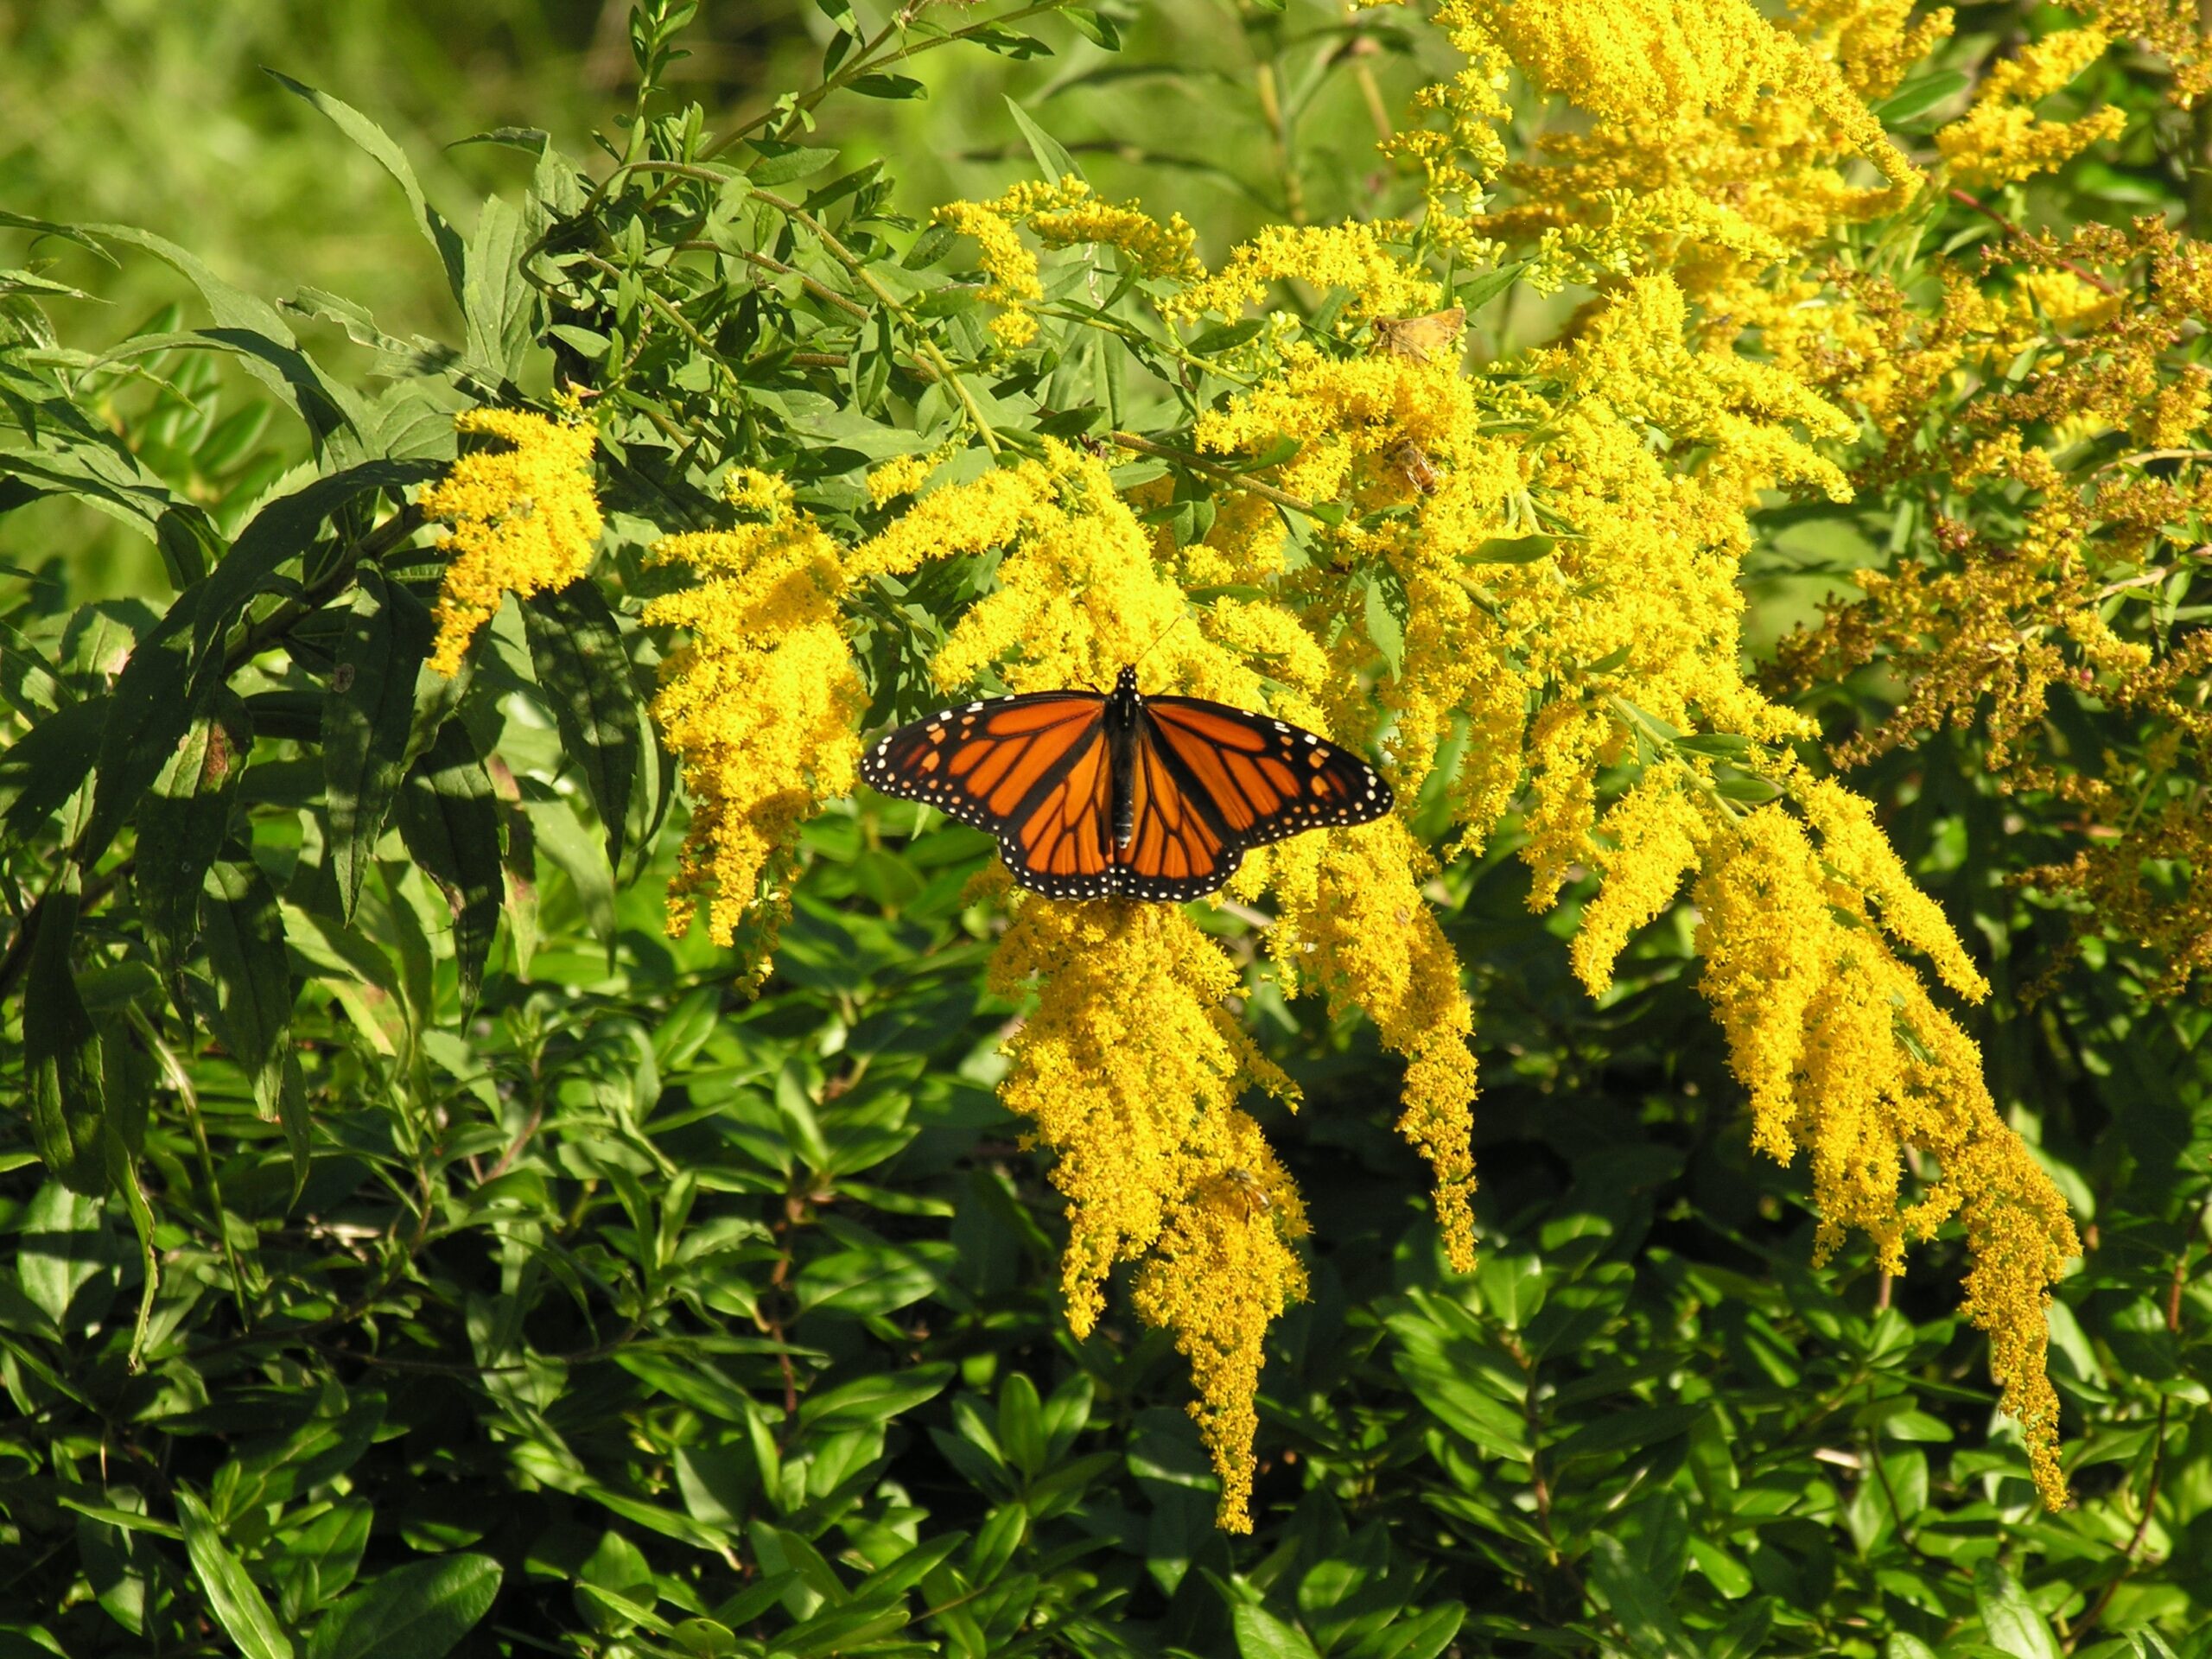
pixel 925 348
pixel 1200 464
pixel 2028 242
pixel 865 63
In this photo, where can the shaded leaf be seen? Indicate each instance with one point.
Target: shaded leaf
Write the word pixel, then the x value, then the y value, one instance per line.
pixel 366 718
pixel 236 1601
pixel 418 1611
pixel 183 822
pixel 451 825
pixel 61 1048
pixel 576 648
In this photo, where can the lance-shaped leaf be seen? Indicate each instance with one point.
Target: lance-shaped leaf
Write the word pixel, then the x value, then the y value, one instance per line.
pixel 252 329
pixel 451 825
pixel 182 824
pixel 285 529
pixel 244 932
pixel 519 862
pixel 43 767
pixel 365 720
pixel 61 1049
pixel 26 680
pixel 501 304
pixel 149 711
pixel 129 1077
pixel 421 1610
pixel 389 155
pixel 576 649
pixel 236 1602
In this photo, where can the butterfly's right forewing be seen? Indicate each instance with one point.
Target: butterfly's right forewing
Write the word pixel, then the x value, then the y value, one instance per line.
pixel 1030 770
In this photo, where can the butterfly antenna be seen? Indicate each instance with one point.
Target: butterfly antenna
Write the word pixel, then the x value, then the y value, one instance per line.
pixel 1156 639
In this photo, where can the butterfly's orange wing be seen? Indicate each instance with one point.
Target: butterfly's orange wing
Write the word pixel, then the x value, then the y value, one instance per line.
pixel 1033 771
pixel 1206 782
pixel 1211 782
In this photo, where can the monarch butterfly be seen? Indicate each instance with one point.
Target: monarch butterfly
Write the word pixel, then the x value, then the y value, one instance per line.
pixel 1094 796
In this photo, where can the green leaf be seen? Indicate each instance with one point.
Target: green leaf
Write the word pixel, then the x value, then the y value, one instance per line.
pixel 1732 783
pixel 2009 1618
pixel 580 858
pixel 496 299
pixel 366 718
pixel 1094 25
pixel 152 707
pixel 451 825
pixel 251 329
pixel 244 932
pixel 1224 336
pixel 782 163
pixel 418 1611
pixel 1021 1425
pixel 61 1048
pixel 1474 294
pixel 868 1401
pixel 1919 95
pixel 892 86
pixel 1052 158
pixel 1424 1636
pixel 63 1246
pixel 1744 1636
pixel 378 144
pixel 1261 1635
pixel 46 765
pixel 1637 1428
pixel 576 648
pixel 1386 621
pixel 235 1600
pixel 1641 1611
pixel 27 678
pixel 931 245
pixel 283 531
pixel 183 822
pixel 1717 745
pixel 116 486
pixel 1511 549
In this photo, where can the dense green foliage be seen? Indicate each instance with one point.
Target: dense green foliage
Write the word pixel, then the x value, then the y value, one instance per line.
pixel 416 1251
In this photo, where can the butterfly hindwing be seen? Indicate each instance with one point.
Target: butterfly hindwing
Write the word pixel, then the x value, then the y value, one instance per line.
pixel 1177 849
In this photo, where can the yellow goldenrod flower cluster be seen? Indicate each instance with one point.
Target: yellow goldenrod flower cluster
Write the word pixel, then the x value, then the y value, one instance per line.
pixel 1129 1067
pixel 2002 139
pixel 903 474
pixel 1061 215
pixel 1848 1060
pixel 760 705
pixel 524 519
pixel 2172 28
pixel 1355 256
pixel 1081 592
pixel 1714 102
pixel 2097 458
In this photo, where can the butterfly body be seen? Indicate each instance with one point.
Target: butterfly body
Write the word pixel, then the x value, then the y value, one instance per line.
pixel 1099 795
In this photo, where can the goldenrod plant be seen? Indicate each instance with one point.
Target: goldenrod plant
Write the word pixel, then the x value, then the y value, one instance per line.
pixel 522 1151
